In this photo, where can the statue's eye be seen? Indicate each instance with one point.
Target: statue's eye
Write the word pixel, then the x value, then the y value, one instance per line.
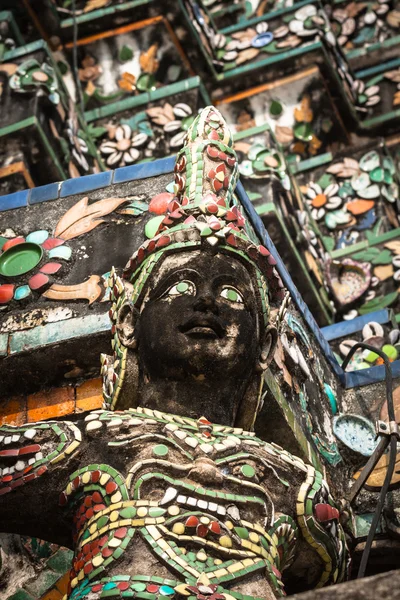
pixel 181 289
pixel 232 294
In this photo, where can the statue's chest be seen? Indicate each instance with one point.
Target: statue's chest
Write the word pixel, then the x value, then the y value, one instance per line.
pixel 194 494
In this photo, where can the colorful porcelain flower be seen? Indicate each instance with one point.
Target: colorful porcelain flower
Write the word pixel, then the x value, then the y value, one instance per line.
pixel 306 21
pixel 205 592
pixel 366 95
pixel 123 145
pixel 27 262
pixel 321 200
pixel 90 70
pixel 174 120
pixel 77 144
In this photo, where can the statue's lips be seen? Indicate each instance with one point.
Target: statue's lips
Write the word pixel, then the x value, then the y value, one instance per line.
pixel 203 327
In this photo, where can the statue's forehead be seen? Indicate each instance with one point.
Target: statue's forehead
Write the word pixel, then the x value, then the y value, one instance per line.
pixel 204 263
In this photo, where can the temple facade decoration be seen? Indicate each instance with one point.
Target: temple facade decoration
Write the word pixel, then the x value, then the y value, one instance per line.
pixel 122 202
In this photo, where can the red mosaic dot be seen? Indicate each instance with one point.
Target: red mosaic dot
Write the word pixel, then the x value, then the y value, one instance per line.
pixel 214 527
pixel 123 585
pixel 97 498
pixel 97 587
pixel 111 487
pixel 106 552
pixel 152 588
pixel 120 533
pixel 99 507
pixel 192 521
pixel 202 530
pixel 89 513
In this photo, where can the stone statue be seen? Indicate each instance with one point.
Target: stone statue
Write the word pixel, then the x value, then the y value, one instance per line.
pixel 167 492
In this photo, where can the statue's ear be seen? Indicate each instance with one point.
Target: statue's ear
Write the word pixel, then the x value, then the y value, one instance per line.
pixel 268 346
pixel 128 325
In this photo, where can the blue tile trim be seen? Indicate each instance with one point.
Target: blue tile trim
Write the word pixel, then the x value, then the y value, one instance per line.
pixel 45 193
pixel 287 280
pixel 150 169
pixel 370 376
pixel 15 200
pixel 87 183
pixel 338 330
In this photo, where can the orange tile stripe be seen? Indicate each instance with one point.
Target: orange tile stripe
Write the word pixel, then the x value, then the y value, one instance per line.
pixel 266 86
pixel 57 402
pixel 118 31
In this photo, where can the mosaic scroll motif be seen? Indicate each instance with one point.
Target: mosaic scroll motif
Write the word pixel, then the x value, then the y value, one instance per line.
pixel 26 453
pixel 198 530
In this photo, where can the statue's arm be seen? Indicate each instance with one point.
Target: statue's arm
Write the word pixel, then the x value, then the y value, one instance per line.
pixel 322 554
pixel 35 462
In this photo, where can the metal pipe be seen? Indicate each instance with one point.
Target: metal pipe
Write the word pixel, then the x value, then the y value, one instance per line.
pixel 386 439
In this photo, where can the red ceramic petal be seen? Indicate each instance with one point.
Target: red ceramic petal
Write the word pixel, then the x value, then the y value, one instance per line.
pixel 217 185
pixel 212 151
pixel 202 530
pixel 38 281
pixel 163 241
pixel 325 512
pixel 158 204
pixel 263 251
pixel 213 135
pixel 51 268
pixel 6 292
pixel 212 207
pixel 13 242
pixel 231 240
pixel 192 521
pixel 52 243
pixel 215 527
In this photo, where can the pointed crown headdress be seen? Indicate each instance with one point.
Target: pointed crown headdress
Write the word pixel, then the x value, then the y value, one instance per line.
pixel 203 214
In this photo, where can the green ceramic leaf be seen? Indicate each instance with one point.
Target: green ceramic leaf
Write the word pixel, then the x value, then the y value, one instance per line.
pixel 125 54
pixel 62 66
pixel 367 255
pixel 378 303
pixel 325 180
pixel 329 243
pixel 272 49
pixel 383 258
pixel 146 82
pixel 96 132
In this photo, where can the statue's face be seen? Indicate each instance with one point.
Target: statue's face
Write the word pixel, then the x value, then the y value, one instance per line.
pixel 199 319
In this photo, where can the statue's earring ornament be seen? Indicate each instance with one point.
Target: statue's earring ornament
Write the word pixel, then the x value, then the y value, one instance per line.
pixel 113 367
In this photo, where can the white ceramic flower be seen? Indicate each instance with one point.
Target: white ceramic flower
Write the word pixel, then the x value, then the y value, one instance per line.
pixel 322 201
pixel 122 149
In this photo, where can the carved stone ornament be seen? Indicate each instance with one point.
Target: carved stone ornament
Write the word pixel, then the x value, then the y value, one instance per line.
pixel 157 504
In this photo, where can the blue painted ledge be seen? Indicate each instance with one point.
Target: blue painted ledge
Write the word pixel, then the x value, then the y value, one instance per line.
pixel 87 183
pixel 345 328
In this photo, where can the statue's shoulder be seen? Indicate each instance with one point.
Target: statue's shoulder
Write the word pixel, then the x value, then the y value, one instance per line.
pixel 134 419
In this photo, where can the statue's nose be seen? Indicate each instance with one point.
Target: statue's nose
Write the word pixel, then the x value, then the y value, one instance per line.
pixel 205 302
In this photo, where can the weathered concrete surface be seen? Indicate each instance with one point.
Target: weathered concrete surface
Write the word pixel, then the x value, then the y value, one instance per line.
pixel 378 587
